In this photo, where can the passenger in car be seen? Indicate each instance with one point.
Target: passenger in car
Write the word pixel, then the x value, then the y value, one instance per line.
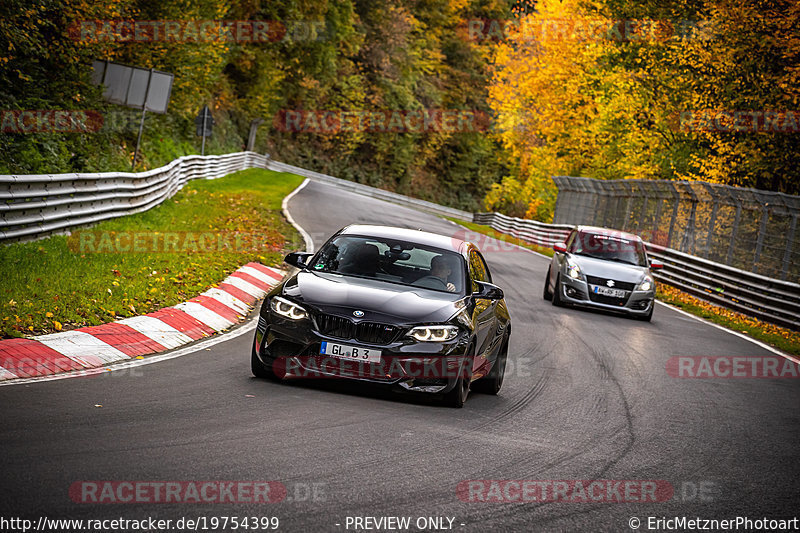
pixel 440 268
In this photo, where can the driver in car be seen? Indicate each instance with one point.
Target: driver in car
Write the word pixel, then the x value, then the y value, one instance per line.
pixel 440 268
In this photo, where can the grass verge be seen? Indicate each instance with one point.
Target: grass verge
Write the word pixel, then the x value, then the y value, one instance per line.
pixel 140 263
pixel 781 338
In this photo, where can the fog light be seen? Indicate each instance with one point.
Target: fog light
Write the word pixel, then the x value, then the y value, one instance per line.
pixel 574 293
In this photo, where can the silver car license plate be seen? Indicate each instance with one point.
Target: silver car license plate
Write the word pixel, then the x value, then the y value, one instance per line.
pixel 606 291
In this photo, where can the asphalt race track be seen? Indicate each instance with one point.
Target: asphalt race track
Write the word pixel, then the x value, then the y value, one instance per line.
pixel 586 397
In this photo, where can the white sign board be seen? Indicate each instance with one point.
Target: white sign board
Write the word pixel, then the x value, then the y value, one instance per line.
pixel 129 86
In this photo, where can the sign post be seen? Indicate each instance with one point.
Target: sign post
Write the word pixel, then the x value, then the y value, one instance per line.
pixel 141 122
pixel 204 122
pixel 251 139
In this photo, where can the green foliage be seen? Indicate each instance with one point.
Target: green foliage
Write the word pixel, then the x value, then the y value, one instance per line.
pixel 335 55
pixel 573 103
pixel 603 108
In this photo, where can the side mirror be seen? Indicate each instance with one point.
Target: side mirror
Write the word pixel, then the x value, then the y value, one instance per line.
pixel 298 259
pixel 488 291
pixel 656 264
pixel 560 247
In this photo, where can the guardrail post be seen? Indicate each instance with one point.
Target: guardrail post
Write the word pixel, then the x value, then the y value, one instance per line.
pixel 677 200
pixel 762 229
pixel 602 207
pixel 611 198
pixel 657 216
pixel 588 202
pixel 787 254
pixel 734 231
pixel 688 242
pixel 711 224
pixel 643 217
pixel 628 202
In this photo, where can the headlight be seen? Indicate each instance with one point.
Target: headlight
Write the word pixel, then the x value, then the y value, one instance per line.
pixel 645 285
pixel 573 270
pixel 287 309
pixel 434 333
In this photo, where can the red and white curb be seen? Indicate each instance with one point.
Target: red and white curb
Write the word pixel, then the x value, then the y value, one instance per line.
pixel 95 347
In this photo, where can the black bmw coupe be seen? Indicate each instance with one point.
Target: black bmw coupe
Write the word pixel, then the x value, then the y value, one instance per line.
pixel 409 309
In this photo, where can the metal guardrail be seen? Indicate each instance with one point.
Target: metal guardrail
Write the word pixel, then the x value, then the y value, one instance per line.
pixel 373 192
pixel 528 230
pixel 748 229
pixel 768 299
pixel 34 206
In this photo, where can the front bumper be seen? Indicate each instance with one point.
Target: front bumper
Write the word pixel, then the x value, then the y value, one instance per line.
pixel 292 349
pixel 579 292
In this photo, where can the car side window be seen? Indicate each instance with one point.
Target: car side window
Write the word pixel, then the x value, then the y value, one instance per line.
pixel 485 267
pixel 478 269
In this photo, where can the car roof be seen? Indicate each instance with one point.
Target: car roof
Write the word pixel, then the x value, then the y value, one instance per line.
pixel 608 231
pixel 417 236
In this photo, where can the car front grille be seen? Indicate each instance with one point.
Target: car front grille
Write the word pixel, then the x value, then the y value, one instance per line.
pixel 344 328
pixel 375 333
pixel 335 326
pixel 624 285
pixel 608 300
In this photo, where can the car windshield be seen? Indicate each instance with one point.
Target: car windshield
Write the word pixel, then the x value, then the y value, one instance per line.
pixel 610 247
pixel 394 261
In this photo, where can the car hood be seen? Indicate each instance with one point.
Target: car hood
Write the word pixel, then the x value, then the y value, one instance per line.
pixel 609 269
pixel 380 301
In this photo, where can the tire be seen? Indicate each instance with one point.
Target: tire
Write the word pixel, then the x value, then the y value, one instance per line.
pixel 557 301
pixel 546 294
pixel 259 369
pixel 458 396
pixel 493 381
